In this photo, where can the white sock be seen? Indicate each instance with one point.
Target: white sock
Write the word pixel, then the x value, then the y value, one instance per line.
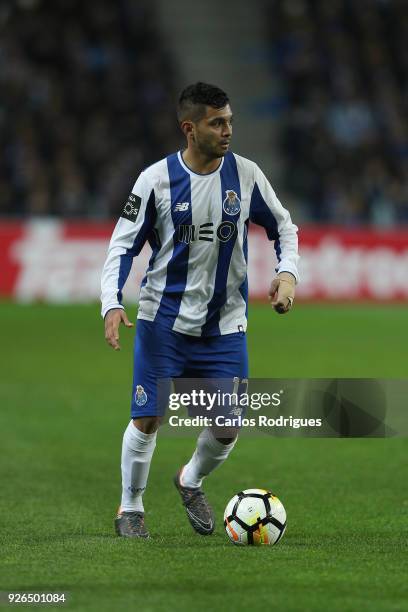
pixel 137 452
pixel 208 455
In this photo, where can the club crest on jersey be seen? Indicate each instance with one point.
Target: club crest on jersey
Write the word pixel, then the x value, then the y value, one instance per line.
pixel 232 204
pixel 140 396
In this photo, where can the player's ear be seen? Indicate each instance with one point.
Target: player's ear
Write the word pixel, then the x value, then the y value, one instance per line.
pixel 187 128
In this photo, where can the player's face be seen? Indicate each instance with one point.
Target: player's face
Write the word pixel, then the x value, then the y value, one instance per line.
pixel 212 134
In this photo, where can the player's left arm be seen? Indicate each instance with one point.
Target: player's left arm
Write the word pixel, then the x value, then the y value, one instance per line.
pixel 266 210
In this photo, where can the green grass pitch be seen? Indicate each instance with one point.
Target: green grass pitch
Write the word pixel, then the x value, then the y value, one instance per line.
pixel 64 399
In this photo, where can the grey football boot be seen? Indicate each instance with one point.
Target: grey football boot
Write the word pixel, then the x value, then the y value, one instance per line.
pixel 131 525
pixel 199 512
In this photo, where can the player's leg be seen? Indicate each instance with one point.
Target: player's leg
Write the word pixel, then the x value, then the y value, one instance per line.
pixel 218 358
pixel 139 442
pixel 137 452
pixel 154 357
pixel 209 454
pixel 222 357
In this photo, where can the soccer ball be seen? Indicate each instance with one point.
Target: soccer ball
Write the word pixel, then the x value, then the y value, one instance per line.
pixel 255 517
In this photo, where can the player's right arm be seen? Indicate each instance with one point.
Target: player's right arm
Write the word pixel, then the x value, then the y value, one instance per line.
pixel 129 236
pixel 113 319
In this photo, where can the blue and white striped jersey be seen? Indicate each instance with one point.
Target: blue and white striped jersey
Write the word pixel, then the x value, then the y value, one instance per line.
pixel 197 226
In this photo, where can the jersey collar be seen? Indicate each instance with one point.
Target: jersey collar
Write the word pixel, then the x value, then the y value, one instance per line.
pixel 192 173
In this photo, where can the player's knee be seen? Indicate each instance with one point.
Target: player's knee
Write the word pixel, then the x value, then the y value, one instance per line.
pixel 148 424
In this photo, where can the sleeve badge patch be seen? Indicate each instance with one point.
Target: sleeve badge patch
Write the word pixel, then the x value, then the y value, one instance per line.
pixel 132 208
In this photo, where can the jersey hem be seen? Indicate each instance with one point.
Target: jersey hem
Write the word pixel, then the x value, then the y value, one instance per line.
pixel 177 329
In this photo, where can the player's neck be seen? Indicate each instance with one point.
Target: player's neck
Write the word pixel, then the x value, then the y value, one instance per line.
pixel 199 163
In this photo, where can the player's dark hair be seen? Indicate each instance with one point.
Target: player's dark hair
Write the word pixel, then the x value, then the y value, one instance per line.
pixel 194 98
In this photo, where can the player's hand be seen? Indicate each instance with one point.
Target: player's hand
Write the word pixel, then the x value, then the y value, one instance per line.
pixel 113 319
pixel 282 292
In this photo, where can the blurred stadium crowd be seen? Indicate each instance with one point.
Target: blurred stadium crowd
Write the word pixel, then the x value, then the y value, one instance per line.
pixel 87 91
pixel 343 65
pixel 81 107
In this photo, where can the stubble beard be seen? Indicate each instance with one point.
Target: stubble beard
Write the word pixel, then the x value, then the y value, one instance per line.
pixel 212 152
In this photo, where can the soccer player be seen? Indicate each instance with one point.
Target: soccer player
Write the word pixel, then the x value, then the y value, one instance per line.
pixel 194 208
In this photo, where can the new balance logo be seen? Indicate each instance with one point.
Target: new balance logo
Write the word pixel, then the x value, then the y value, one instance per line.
pixel 181 207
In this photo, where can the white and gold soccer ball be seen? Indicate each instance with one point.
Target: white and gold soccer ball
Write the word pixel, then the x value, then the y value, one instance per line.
pixel 255 517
